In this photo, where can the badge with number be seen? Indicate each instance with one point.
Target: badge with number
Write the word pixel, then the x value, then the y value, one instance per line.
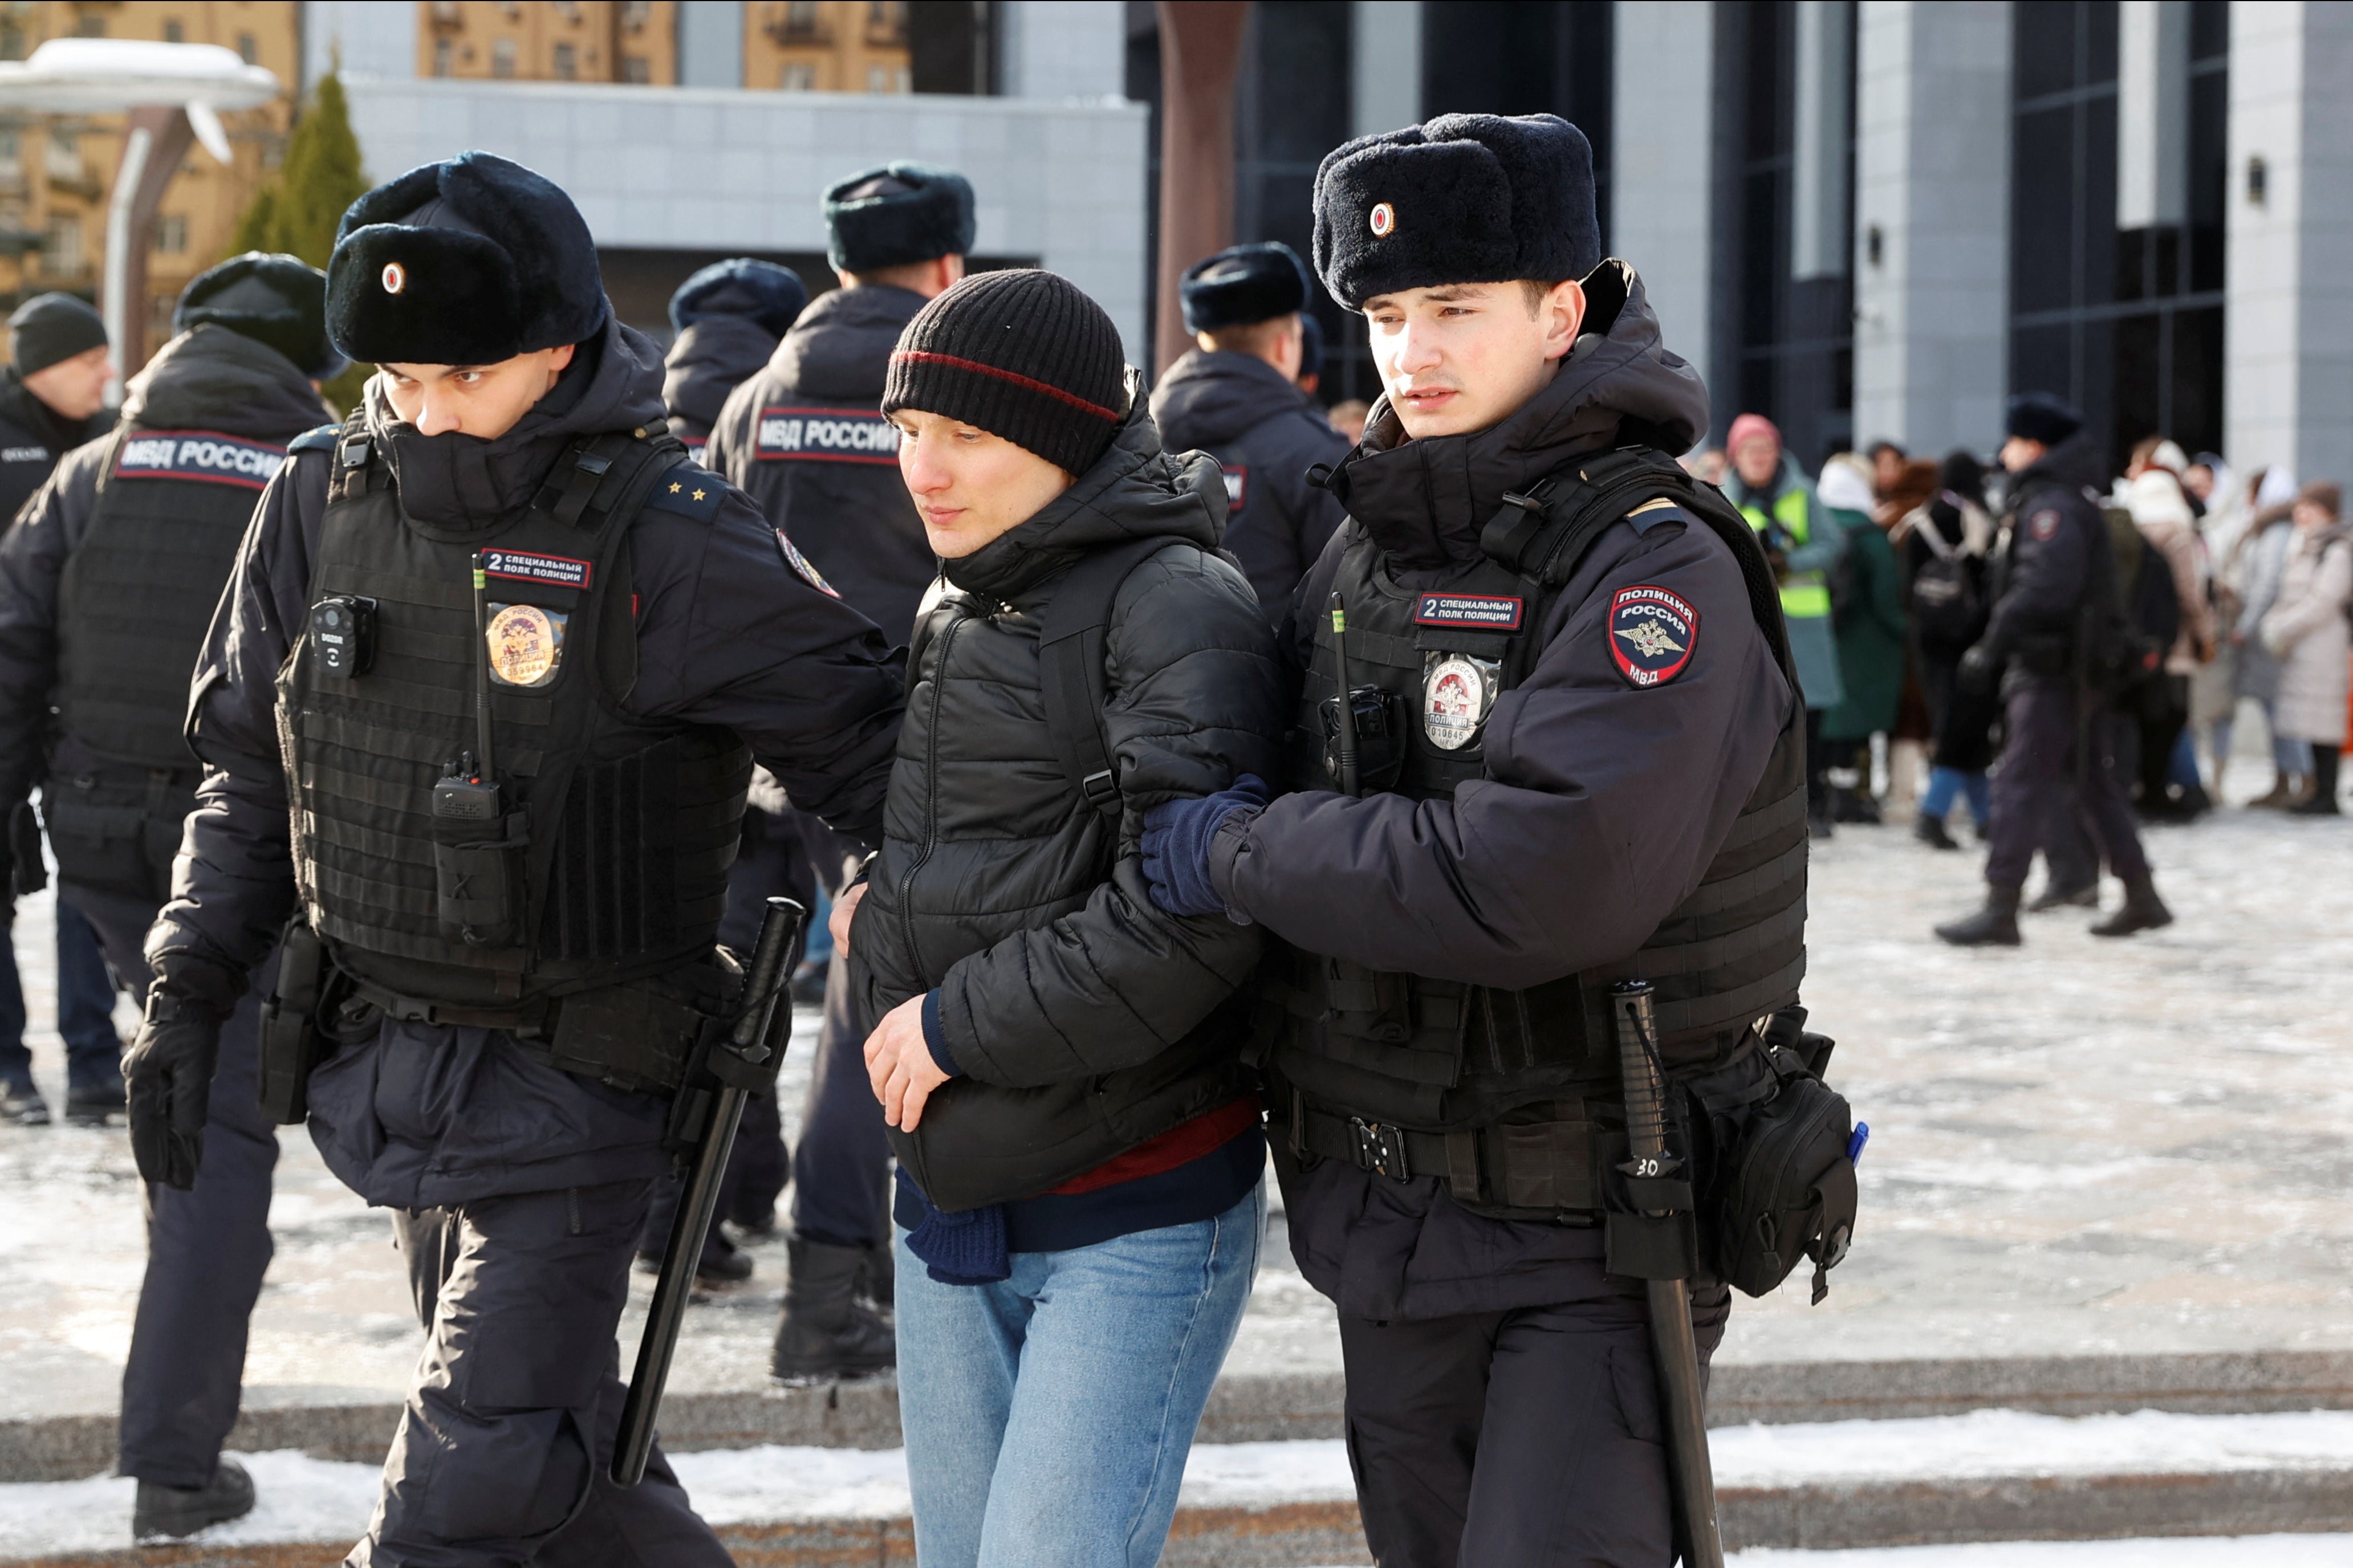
pixel 526 644
pixel 1456 693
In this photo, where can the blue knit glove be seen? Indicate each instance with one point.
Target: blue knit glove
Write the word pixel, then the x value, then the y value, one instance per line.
pixel 1177 836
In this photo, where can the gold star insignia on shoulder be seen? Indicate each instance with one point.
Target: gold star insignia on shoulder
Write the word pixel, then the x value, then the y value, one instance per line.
pixel 675 488
pixel 697 495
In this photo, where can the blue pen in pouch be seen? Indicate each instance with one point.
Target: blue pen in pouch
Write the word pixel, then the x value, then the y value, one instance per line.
pixel 1854 1144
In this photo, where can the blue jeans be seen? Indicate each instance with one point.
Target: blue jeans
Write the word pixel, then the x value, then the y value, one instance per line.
pixel 1048 1415
pixel 85 994
pixel 1943 783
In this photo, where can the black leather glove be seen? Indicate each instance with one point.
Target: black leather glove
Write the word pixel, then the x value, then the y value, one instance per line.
pixel 169 1069
pixel 1981 666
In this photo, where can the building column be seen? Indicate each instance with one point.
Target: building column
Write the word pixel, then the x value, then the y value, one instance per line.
pixel 1384 66
pixel 2287 380
pixel 1662 182
pixel 710 43
pixel 1932 223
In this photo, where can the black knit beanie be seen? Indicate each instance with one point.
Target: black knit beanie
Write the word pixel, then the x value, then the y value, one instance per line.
pixel 1024 355
pixel 48 328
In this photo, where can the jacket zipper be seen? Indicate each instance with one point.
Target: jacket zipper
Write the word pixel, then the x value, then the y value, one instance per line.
pixel 930 787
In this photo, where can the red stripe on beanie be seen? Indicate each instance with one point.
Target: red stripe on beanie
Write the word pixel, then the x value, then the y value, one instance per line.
pixel 923 356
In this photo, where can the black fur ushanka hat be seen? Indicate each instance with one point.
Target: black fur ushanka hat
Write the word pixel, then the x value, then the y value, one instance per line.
pixel 468 262
pixel 1464 199
pixel 1242 284
pixel 896 215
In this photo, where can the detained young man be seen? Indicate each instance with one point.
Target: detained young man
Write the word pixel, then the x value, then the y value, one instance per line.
pixel 1081 1196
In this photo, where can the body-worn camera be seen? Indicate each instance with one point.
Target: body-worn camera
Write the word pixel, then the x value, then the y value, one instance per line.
pixel 342 629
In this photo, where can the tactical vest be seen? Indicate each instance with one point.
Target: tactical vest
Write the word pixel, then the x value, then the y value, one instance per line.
pixel 135 603
pixel 1805 596
pixel 1415 1074
pixel 604 855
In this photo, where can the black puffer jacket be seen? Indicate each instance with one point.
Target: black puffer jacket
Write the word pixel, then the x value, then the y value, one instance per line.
pixel 32 439
pixel 1240 410
pixel 1085 1020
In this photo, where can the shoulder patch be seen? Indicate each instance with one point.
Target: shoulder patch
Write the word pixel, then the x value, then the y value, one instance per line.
pixel 802 566
pixel 322 440
pixel 1652 634
pixel 787 433
pixel 1481 612
pixel 2043 525
pixel 1651 513
pixel 690 491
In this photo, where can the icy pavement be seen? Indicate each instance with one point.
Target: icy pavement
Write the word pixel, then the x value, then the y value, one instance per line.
pixel 303 1499
pixel 2078 1147
pixel 2193 1551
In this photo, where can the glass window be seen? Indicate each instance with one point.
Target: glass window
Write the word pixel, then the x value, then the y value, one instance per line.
pixel 567 62
pixel 174 33
pixel 503 57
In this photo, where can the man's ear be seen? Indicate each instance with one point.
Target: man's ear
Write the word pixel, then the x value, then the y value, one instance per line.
pixel 560 359
pixel 1563 317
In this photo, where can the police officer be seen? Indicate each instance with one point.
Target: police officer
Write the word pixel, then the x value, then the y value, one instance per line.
pixel 1236 397
pixel 728 317
pixel 2055 586
pixel 520 654
pixel 1577 758
pixel 52 399
pixel 807 440
pixel 120 559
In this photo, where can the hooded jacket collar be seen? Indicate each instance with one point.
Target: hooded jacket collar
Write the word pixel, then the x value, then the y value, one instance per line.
pixel 38 420
pixel 2074 464
pixel 1424 502
pixel 1212 395
pixel 711 359
pixel 211 378
pixel 1133 492
pixel 840 349
pixel 463 482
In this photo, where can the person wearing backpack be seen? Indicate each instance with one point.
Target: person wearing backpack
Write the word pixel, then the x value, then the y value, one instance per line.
pixel 2057 645
pixel 2305 629
pixel 1080 1194
pixel 1944 546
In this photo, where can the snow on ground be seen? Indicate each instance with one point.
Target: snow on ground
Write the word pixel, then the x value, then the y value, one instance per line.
pixel 2079 1147
pixel 310 1499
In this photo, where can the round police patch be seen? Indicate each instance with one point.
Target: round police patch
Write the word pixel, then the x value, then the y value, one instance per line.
pixel 526 644
pixel 395 278
pixel 2043 525
pixel 1383 220
pixel 1454 702
pixel 1652 634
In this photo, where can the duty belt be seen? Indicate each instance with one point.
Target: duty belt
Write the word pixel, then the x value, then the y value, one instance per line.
pixel 630 1036
pixel 1534 1165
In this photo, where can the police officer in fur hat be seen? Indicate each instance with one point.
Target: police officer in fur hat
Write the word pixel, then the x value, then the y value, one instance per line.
pixel 807 440
pixel 503 951
pixel 107 587
pixel 1236 397
pixel 1571 733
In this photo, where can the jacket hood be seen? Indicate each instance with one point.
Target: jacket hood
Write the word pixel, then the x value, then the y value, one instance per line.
pixel 2075 463
pixel 210 378
pixel 1424 502
pixel 1133 492
pixel 711 357
pixel 1211 396
pixel 459 481
pixel 839 349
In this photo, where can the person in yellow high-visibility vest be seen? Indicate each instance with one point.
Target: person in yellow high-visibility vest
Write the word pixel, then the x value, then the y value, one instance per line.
pixel 1765 483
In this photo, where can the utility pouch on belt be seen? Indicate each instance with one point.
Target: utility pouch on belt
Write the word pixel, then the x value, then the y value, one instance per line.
pixel 292 1041
pixel 1788 1189
pixel 648 1035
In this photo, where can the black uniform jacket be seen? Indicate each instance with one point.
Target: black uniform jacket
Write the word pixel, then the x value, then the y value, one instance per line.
pixel 2042 578
pixel 1266 434
pixel 992 887
pixel 32 439
pixel 206 379
pixel 1603 805
pixel 805 438
pixel 711 359
pixel 728 633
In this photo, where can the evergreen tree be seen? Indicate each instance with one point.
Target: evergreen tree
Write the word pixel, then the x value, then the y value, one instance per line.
pixel 297 212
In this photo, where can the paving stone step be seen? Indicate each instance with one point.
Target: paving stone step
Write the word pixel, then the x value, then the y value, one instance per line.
pixel 1279 1408
pixel 1325 1531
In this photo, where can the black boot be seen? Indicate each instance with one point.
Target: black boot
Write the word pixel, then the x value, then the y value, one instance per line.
pixel 878 1283
pixel 1996 925
pixel 2143 910
pixel 167 1513
pixel 2322 802
pixel 2082 895
pixel 21 1104
pixel 827 1334
pixel 1931 831
pixel 90 1104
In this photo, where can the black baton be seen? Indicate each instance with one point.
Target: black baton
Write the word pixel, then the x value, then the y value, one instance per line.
pixel 1344 746
pixel 1691 1476
pixel 750 1051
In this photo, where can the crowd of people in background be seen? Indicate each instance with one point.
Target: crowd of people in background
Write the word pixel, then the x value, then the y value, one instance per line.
pixel 2240 586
